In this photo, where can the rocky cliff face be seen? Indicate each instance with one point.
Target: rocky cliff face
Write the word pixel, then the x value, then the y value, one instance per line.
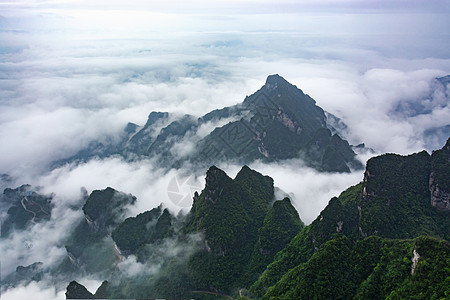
pixel 396 195
pixel 440 198
pixel 104 209
pixel 237 220
pixel 24 206
pixel 392 202
pixel 439 183
pixel 89 244
pixel 276 122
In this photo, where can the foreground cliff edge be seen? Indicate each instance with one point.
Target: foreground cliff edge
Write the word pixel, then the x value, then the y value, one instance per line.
pixel 386 237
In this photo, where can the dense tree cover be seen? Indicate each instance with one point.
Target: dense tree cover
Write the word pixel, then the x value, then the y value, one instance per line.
pixel 276 122
pixel 229 212
pixel 105 208
pixel 440 164
pixel 392 202
pixel 232 231
pixel 134 232
pixel 328 152
pixel 26 206
pixel 396 198
pixel 78 291
pixel 279 122
pixel 380 239
pixel 281 224
pixel 373 268
pixel 303 245
pixel 89 246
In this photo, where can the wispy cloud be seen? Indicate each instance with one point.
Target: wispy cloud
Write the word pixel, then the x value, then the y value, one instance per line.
pixel 72 72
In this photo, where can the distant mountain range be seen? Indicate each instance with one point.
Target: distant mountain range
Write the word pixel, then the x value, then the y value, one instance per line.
pixel 277 122
pixel 386 237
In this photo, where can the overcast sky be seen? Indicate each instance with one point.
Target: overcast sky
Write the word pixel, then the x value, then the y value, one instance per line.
pixel 75 71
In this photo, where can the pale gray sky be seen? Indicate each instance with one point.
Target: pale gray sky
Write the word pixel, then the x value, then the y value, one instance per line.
pixel 73 71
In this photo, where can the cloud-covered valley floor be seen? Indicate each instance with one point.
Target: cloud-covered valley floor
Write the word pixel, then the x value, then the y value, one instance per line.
pixel 67 79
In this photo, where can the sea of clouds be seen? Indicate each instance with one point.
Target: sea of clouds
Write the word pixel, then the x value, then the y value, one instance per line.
pixel 72 73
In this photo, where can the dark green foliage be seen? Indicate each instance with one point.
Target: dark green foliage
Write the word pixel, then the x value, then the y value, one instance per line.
pixel 169 135
pixel 390 270
pixel 78 291
pixel 323 276
pixel 280 225
pixel 278 122
pixel 373 268
pixel 259 189
pixel 89 246
pixel 339 216
pixel 97 201
pixel 24 207
pixel 280 142
pixel 139 143
pixel 440 164
pixel 396 198
pixel 81 238
pixel 392 202
pixel 431 279
pixel 134 232
pixel 218 114
pixel 229 212
pixel 329 153
pixel 163 227
pixel 24 275
pixel 102 291
pixel 303 245
pixel 104 208
pixel 235 232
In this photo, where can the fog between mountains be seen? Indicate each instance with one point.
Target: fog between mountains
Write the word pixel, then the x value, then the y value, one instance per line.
pixel 69 78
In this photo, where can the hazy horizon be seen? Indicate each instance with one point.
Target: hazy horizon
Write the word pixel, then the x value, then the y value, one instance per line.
pixel 73 72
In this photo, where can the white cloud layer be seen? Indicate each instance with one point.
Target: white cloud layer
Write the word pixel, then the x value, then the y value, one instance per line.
pixel 72 72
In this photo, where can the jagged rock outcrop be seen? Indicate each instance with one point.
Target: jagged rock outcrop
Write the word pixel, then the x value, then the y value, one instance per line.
pixel 440 198
pixel 392 202
pixel 104 209
pixel 138 143
pixel 276 122
pixel 78 291
pixel 88 246
pixel 25 206
pixel 235 217
pixel 135 232
pixel 24 275
pixel 439 183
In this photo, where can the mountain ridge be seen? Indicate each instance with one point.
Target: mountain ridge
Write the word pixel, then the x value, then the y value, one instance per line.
pixel 276 122
pixel 381 238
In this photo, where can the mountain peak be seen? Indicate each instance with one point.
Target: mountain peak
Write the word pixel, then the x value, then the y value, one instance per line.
pixel 275 78
pixel 214 177
pixel 276 81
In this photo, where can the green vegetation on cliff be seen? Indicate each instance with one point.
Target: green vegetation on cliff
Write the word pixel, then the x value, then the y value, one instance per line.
pixel 26 206
pixel 340 216
pixel 134 232
pixel 373 268
pixel 229 212
pixel 384 238
pixel 280 225
pixel 393 201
